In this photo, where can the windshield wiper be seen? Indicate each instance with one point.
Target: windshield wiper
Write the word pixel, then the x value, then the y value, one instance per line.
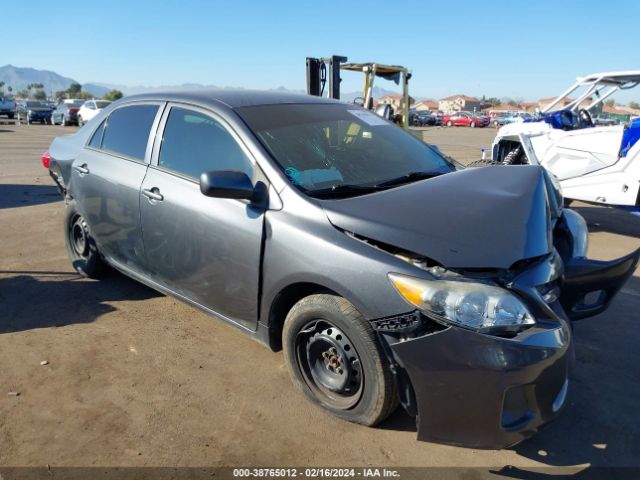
pixel 344 190
pixel 408 178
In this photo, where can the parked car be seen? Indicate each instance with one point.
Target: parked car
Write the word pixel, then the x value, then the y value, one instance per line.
pixel 7 107
pixel 463 119
pixel 604 121
pixel 31 111
pixel 425 118
pixel 66 114
pixel 321 228
pixel 90 109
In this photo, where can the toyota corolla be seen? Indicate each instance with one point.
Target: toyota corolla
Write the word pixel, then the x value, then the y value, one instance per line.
pixel 386 272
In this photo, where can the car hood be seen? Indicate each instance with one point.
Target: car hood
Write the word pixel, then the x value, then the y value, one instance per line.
pixel 487 217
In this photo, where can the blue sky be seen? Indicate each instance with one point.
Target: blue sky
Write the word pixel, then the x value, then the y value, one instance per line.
pixel 527 49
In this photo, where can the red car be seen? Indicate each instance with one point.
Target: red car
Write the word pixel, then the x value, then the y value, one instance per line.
pixel 463 119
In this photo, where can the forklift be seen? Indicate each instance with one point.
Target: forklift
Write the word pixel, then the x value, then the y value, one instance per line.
pixel 319 69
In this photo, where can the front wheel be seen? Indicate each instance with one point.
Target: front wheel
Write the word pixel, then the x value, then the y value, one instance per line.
pixel 81 247
pixel 335 358
pixel 472 124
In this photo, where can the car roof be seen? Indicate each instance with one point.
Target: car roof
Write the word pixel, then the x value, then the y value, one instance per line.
pixel 232 98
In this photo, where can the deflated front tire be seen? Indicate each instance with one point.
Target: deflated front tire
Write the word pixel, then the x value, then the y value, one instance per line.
pixel 335 358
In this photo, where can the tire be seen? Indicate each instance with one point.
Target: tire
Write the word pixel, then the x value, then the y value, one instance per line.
pixel 63 122
pixel 80 122
pixel 449 123
pixel 335 359
pixel 81 248
pixel 472 124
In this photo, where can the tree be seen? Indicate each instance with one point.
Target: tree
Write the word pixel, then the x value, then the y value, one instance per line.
pixel 83 96
pixel 634 105
pixel 40 95
pixel 1 87
pixel 610 103
pixel 23 93
pixel 493 101
pixel 9 89
pixel 113 95
pixel 60 95
pixel 74 89
pixel 512 103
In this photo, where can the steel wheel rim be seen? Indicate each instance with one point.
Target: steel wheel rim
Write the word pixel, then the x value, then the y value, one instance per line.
pixel 78 236
pixel 330 364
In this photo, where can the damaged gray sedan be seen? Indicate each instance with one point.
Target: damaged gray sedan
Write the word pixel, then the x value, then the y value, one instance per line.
pixel 387 273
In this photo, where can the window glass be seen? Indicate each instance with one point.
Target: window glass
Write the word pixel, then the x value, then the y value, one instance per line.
pixel 330 145
pixel 127 130
pixel 96 140
pixel 194 143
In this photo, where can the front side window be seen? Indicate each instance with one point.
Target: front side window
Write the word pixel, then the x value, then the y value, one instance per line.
pixel 194 143
pixel 127 130
pixel 330 146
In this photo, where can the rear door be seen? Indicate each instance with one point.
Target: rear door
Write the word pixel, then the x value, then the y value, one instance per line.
pixel 106 179
pixel 205 249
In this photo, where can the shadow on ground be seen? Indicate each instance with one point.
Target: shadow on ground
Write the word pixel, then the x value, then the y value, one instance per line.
pixel 30 301
pixel 13 195
pixel 607 219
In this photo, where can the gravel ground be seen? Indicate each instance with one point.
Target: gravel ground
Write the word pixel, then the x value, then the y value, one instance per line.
pixel 135 378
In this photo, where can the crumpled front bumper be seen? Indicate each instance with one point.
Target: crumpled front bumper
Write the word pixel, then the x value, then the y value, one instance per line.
pixel 480 391
pixel 484 391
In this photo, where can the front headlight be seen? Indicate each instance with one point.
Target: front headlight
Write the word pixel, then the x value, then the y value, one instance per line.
pixel 477 306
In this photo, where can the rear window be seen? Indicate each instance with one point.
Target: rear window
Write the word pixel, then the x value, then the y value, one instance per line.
pixel 127 130
pixel 102 104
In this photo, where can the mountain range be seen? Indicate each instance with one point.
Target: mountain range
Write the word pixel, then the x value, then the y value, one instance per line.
pixel 19 77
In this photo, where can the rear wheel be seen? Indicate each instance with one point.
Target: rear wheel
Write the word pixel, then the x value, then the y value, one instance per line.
pixel 81 247
pixel 334 357
pixel 449 123
pixel 472 124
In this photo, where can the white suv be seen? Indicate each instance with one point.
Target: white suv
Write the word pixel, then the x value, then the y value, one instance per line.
pixel 90 109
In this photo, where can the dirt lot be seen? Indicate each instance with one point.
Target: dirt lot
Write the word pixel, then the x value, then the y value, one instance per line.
pixel 136 378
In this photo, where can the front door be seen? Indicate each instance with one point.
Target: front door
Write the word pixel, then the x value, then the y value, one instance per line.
pixel 205 249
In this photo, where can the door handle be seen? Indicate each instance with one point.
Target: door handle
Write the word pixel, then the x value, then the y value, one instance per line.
pixel 153 194
pixel 82 169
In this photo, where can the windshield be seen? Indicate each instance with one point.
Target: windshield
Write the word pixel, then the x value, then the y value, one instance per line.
pixel 102 104
pixel 332 146
pixel 34 104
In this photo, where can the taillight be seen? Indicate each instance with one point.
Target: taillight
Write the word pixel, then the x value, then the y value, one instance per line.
pixel 46 159
pixel 73 110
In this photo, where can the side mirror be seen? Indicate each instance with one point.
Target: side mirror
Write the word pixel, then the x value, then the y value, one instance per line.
pixel 385 111
pixel 226 184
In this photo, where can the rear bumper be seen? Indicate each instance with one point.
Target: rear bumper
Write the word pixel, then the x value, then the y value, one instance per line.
pixel 479 391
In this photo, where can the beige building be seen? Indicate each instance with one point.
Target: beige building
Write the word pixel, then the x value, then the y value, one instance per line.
pixel 423 105
pixel 458 103
pixel 394 101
